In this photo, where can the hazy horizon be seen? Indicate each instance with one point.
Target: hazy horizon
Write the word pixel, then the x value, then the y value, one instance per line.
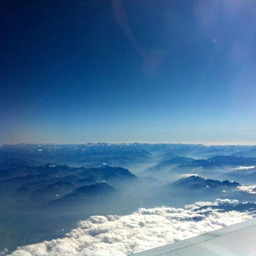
pixel 136 142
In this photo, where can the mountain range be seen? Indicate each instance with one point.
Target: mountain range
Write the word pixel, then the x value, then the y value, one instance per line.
pixel 45 189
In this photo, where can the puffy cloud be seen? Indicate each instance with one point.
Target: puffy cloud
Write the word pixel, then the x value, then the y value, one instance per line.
pixel 249 189
pixel 141 230
pixel 187 175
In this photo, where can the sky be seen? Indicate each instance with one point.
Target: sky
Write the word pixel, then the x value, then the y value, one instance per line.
pixel 121 71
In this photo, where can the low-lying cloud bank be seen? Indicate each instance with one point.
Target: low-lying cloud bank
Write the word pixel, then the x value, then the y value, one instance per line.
pixel 251 189
pixel 143 229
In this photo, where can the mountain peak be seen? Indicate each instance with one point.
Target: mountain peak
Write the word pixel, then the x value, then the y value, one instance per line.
pixel 197 182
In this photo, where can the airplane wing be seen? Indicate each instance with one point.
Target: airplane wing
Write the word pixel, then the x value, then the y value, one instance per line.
pixel 238 239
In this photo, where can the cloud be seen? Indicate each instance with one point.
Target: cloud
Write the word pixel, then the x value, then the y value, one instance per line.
pixel 187 175
pixel 244 168
pixel 141 230
pixel 248 189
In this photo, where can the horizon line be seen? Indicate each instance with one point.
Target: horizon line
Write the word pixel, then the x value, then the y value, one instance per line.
pixel 203 143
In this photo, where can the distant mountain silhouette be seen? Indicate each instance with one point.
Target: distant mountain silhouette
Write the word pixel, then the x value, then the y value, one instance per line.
pixel 177 160
pixel 94 190
pixel 246 176
pixel 218 161
pixel 195 188
pixel 195 182
pixel 169 164
pixel 98 198
pixel 112 175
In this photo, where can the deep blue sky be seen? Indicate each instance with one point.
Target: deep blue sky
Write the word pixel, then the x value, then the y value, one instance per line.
pixel 141 70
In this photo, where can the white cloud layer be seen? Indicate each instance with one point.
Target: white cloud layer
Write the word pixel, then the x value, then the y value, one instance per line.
pixel 251 189
pixel 187 175
pixel 146 228
pixel 245 168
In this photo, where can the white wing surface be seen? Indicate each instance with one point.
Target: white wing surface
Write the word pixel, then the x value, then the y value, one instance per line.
pixel 238 239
